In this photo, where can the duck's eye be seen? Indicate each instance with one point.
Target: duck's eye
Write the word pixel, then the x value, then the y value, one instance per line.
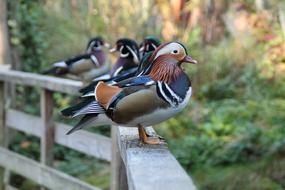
pixel 175 51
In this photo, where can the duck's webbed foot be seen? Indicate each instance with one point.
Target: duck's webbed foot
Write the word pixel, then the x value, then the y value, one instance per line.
pixel 149 139
pixel 155 136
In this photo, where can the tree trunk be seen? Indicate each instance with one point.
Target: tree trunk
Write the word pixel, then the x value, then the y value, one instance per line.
pixel 261 4
pixel 5 55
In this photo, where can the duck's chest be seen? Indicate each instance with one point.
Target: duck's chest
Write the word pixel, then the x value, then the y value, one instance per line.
pixel 161 113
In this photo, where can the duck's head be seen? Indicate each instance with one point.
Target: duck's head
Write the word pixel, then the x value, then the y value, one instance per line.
pixel 149 44
pixel 167 59
pixel 96 44
pixel 174 51
pixel 127 48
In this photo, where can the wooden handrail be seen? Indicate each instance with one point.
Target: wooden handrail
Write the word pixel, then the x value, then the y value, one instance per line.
pixel 47 82
pixel 150 166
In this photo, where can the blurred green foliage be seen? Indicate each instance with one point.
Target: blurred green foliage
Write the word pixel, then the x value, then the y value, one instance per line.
pixel 231 136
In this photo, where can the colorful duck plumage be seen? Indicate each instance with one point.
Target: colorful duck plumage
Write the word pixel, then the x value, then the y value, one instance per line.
pixel 147 46
pixel 159 92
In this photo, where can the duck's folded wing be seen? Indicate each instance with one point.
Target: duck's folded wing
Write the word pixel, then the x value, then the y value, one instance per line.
pixel 125 75
pixel 135 101
pixel 136 81
pixel 77 58
pixel 145 65
pixel 106 78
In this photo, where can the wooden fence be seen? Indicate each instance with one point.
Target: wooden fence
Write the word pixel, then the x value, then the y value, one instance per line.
pixel 134 166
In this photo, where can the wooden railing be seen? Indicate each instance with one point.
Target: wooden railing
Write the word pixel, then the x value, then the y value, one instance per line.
pixel 134 166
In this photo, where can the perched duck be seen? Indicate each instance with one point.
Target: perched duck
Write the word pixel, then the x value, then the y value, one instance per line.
pixel 149 44
pixel 84 65
pixel 125 65
pixel 158 93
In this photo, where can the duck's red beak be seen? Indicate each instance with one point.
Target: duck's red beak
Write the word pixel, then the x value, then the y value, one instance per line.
pixel 107 45
pixel 141 49
pixel 114 49
pixel 189 59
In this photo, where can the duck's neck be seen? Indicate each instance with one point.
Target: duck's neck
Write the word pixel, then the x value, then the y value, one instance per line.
pixel 165 69
pixel 126 63
pixel 100 55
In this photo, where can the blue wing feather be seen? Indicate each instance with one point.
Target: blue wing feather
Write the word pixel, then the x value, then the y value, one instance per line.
pixel 135 81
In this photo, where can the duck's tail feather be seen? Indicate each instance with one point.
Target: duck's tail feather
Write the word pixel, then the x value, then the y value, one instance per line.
pixel 95 120
pixel 70 111
pixel 49 71
pixel 87 119
pixel 92 108
pixel 55 71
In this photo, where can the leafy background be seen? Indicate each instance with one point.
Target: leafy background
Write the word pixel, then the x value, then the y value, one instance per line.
pixel 231 136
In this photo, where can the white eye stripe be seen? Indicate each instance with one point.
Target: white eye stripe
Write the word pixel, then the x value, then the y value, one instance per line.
pixel 90 46
pixel 136 59
pixel 154 46
pixel 169 48
pixel 147 47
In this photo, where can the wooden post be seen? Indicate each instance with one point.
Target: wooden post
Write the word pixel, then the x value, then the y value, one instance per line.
pixel 2 130
pixel 47 138
pixel 118 170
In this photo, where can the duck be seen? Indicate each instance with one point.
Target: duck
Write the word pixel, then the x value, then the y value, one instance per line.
pixel 86 65
pixel 149 44
pixel 161 91
pixel 124 67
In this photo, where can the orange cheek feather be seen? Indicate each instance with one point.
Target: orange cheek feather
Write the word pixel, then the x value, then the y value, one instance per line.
pixel 105 93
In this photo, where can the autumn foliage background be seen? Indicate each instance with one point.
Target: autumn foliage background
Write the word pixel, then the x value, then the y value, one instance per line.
pixel 232 134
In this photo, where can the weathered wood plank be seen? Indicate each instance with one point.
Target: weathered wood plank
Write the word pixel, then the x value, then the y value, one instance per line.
pixel 92 144
pixel 29 124
pixel 150 166
pixel 88 143
pixel 47 136
pixel 36 80
pixel 41 174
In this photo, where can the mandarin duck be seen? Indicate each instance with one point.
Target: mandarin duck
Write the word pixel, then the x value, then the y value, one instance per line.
pixel 159 92
pixel 84 65
pixel 125 66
